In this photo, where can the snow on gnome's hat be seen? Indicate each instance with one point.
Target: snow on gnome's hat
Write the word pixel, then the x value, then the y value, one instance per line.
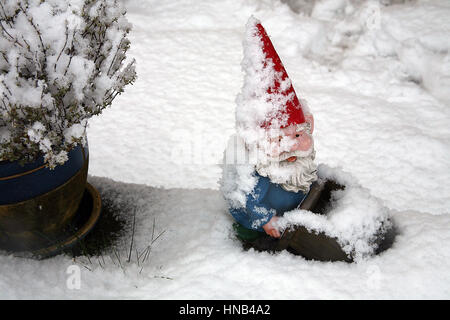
pixel 268 99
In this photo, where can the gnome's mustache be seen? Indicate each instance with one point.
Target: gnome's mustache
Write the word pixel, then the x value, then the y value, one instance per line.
pixel 282 157
pixel 297 153
pixel 292 176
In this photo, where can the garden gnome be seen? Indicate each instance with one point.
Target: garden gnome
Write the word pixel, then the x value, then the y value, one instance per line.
pixel 269 166
pixel 276 129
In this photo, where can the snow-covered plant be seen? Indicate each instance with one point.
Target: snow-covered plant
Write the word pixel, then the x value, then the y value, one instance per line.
pixel 61 62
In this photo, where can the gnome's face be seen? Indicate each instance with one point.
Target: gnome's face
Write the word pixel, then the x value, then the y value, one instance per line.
pixel 294 139
pixel 291 158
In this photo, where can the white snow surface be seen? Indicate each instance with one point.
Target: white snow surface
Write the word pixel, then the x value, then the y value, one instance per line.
pixel 376 78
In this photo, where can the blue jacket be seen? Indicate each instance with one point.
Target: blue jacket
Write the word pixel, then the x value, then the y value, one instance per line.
pixel 266 200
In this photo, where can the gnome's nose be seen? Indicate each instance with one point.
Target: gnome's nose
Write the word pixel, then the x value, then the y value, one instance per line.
pixel 292 159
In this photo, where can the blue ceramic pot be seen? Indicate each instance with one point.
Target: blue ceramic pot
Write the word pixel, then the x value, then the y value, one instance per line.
pixel 19 183
pixel 37 203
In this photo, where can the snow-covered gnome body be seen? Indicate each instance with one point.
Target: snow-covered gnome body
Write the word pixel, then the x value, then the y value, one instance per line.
pixel 269 165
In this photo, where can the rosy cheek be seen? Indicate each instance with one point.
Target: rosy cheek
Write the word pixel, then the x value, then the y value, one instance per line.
pixel 303 143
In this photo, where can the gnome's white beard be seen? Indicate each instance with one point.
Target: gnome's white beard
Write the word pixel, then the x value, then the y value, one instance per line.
pixel 292 176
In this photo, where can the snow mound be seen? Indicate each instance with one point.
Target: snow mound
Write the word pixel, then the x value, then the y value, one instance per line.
pixel 238 174
pixel 356 218
pixel 254 104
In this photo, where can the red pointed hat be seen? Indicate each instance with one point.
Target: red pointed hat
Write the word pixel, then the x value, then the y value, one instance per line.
pixel 293 109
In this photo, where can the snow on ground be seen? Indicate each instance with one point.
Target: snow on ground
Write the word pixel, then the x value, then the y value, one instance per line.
pixel 196 257
pixel 376 78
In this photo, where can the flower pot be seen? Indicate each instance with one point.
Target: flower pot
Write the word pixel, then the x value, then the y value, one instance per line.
pixel 37 203
pixel 85 219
